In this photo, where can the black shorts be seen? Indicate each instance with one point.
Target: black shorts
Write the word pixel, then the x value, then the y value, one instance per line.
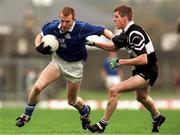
pixel 148 73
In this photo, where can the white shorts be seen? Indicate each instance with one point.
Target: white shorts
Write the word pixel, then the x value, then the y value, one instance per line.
pixel 111 80
pixel 71 71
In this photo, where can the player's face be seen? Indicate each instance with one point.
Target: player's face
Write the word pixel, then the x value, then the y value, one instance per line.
pixel 66 22
pixel 120 21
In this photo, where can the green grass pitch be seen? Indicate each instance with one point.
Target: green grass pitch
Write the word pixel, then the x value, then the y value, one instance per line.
pixel 67 122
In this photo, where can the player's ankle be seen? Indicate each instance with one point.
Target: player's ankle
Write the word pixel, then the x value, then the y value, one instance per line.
pixel 84 111
pixel 103 123
pixel 26 117
pixel 156 116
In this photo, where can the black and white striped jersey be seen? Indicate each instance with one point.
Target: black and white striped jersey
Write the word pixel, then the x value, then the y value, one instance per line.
pixel 139 42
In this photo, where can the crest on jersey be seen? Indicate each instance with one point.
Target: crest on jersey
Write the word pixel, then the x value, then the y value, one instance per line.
pixel 67 36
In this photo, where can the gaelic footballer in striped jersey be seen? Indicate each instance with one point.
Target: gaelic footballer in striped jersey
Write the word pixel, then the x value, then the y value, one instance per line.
pixel 144 67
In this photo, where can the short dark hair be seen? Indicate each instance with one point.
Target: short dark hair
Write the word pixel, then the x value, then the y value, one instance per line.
pixel 66 11
pixel 125 10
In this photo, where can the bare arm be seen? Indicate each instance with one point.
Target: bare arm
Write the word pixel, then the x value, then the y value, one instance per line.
pixel 108 34
pixel 139 60
pixel 106 46
pixel 109 46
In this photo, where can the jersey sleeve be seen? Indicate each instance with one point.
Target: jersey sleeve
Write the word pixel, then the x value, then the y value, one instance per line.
pixel 49 27
pixel 45 29
pixel 88 30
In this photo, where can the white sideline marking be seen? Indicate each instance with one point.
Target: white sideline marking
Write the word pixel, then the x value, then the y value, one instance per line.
pixel 122 104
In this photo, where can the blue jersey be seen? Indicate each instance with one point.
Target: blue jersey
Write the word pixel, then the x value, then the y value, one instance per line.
pixel 108 69
pixel 72 43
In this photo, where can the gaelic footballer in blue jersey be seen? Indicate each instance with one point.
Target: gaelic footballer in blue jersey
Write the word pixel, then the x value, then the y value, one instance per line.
pixel 144 67
pixel 72 41
pixel 66 62
pixel 109 75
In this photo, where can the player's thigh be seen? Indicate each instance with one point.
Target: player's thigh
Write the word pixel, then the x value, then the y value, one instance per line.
pixel 48 75
pixel 133 83
pixel 72 90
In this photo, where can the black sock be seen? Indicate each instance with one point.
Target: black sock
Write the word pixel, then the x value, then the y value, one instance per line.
pixel 103 123
pixel 155 117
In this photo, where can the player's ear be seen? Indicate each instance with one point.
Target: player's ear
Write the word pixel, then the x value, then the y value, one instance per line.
pixel 74 18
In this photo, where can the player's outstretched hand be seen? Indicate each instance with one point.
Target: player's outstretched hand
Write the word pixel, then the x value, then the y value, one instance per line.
pixel 90 43
pixel 44 50
pixel 114 63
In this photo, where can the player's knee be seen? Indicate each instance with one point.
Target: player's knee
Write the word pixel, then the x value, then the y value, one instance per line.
pixel 113 93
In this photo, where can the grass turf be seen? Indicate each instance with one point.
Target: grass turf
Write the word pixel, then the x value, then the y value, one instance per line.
pixel 64 122
pixel 102 94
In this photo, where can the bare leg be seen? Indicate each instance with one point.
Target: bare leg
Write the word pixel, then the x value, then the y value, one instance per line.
pixel 111 105
pixel 47 76
pixel 146 100
pixel 131 84
pixel 72 95
pixel 78 103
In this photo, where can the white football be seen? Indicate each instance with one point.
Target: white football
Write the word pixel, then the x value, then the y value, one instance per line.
pixel 52 41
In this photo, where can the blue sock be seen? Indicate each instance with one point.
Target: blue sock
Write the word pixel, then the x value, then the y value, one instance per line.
pixel 84 111
pixel 29 109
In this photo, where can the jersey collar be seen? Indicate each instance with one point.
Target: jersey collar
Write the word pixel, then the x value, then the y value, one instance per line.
pixel 70 30
pixel 128 25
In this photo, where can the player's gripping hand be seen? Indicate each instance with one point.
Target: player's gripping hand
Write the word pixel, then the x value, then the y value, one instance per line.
pixel 44 50
pixel 114 63
pixel 120 40
pixel 90 43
